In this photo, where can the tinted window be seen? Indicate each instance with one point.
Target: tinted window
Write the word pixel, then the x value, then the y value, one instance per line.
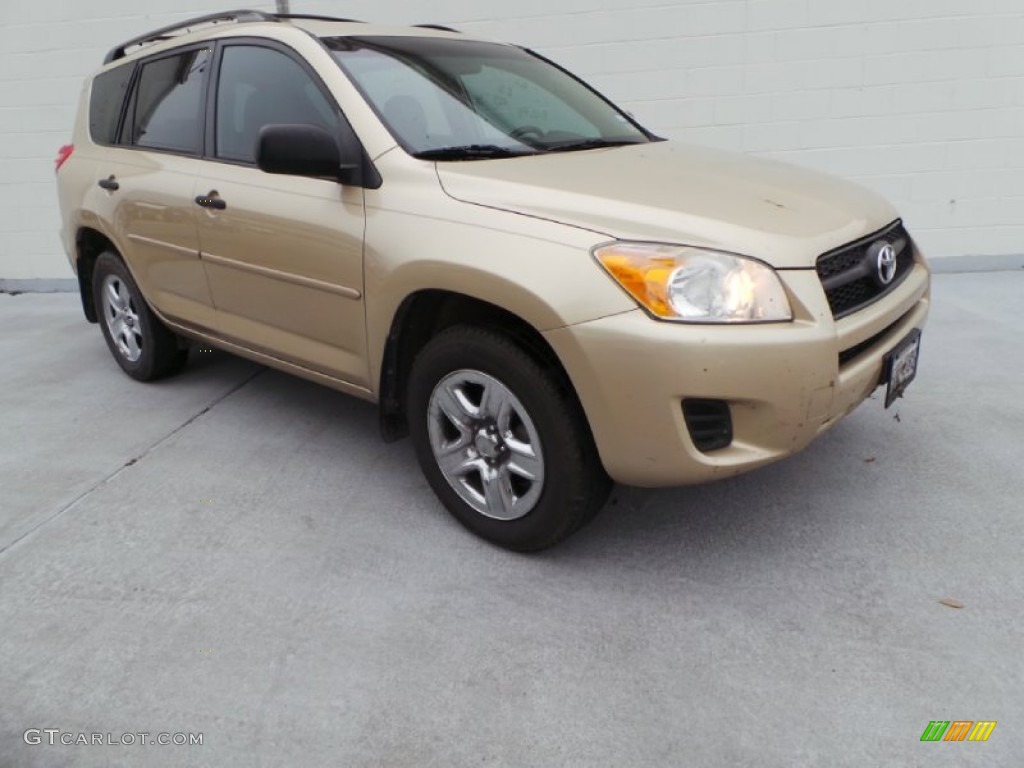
pixel 108 92
pixel 261 86
pixel 168 103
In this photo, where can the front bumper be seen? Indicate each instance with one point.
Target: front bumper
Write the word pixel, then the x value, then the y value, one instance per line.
pixel 785 383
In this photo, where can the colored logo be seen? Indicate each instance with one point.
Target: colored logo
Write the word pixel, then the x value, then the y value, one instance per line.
pixel 958 730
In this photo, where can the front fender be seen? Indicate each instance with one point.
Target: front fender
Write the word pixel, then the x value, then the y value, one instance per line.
pixel 547 284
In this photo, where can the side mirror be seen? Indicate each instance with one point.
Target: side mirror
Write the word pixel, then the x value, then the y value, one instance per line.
pixel 302 150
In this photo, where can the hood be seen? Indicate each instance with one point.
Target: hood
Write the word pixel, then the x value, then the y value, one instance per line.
pixel 676 193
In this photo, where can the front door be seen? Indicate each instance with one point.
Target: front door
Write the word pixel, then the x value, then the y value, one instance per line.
pixel 283 254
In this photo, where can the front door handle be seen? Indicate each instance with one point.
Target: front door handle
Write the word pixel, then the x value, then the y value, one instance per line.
pixel 212 200
pixel 109 184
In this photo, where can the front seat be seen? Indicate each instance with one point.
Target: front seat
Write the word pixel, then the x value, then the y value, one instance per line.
pixel 407 118
pixel 275 103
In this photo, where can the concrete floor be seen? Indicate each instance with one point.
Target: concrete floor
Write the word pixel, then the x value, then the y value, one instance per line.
pixel 234 552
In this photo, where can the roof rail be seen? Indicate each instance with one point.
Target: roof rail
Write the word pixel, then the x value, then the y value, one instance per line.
pixel 314 17
pixel 242 15
pixel 440 27
pixel 164 32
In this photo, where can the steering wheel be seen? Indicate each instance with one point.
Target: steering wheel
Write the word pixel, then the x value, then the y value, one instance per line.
pixel 526 130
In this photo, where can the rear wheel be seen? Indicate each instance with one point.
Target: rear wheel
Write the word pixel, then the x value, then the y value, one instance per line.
pixel 503 445
pixel 143 346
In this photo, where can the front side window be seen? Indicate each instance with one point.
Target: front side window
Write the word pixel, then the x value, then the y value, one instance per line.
pixel 260 86
pixel 168 105
pixel 438 95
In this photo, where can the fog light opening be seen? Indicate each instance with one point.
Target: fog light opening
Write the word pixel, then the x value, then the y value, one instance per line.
pixel 709 423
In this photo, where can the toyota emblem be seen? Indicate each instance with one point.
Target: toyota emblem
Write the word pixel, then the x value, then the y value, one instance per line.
pixel 885 263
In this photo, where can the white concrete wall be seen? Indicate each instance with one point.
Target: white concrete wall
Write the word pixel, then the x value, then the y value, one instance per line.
pixel 922 100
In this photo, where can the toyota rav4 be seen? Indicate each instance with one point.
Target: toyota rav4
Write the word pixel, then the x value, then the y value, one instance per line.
pixel 542 293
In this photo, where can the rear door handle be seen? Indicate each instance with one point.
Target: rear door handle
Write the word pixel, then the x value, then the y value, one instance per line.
pixel 109 184
pixel 212 200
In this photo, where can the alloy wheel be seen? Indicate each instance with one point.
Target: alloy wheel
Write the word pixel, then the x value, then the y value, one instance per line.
pixel 121 317
pixel 486 445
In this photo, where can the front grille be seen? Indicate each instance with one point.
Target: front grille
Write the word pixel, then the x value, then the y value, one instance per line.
pixel 851 354
pixel 849 274
pixel 709 422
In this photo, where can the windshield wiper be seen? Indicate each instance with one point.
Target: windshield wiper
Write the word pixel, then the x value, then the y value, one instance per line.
pixel 576 145
pixel 472 152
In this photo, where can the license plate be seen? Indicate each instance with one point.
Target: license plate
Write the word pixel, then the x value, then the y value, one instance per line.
pixel 901 366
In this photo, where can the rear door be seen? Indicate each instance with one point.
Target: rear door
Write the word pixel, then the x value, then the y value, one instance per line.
pixel 284 254
pixel 147 176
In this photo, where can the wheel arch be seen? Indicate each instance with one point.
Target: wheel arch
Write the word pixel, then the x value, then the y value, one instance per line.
pixel 89 244
pixel 427 312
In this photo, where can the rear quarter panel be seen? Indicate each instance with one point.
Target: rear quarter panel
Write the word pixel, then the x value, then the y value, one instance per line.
pixel 76 180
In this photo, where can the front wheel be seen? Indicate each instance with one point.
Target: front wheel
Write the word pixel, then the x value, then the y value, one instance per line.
pixel 501 442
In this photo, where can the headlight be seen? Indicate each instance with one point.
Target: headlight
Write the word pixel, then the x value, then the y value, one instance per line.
pixel 693 285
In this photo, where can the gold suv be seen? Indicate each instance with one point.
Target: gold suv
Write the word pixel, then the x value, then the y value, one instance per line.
pixel 544 294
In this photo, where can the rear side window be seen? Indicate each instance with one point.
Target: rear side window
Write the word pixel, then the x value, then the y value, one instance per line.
pixel 168 103
pixel 105 102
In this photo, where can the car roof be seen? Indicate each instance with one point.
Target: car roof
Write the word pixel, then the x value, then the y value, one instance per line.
pixel 263 24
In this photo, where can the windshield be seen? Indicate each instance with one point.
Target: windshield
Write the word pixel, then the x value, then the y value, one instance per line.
pixel 449 99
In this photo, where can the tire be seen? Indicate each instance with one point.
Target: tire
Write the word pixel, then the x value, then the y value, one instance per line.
pixel 143 346
pixel 504 446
